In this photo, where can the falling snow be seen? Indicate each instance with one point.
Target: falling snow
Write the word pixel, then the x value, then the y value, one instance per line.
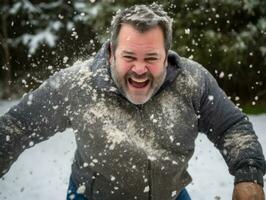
pixel 213 178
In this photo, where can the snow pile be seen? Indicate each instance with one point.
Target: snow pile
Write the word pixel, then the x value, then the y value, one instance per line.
pixel 42 172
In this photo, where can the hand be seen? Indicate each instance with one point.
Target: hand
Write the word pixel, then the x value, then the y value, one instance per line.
pixel 248 191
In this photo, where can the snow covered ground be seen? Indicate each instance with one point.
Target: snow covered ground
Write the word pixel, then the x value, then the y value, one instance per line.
pixel 42 172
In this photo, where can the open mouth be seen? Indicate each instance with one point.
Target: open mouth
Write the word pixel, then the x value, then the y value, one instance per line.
pixel 138 83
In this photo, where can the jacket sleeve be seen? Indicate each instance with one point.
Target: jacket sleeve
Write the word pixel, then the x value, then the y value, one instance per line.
pixel 35 118
pixel 231 132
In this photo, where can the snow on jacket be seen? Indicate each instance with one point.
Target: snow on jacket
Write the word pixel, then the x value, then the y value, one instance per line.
pixel 126 151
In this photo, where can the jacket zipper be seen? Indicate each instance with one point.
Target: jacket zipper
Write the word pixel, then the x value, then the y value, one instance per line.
pixel 140 109
pixel 92 185
pixel 149 179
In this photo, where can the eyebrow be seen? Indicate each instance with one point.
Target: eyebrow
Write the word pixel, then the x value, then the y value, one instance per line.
pixel 152 54
pixel 128 52
pixel 148 54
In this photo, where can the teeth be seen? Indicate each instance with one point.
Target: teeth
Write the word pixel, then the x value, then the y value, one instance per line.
pixel 139 80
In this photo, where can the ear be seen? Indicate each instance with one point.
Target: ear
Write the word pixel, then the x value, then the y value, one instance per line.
pixel 111 53
pixel 166 59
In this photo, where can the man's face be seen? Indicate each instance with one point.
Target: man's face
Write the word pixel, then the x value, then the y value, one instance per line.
pixel 138 65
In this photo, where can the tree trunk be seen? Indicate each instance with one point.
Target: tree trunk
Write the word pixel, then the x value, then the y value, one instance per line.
pixel 6 57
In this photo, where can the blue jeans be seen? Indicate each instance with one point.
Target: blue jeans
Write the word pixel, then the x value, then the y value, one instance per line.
pixel 183 195
pixel 73 195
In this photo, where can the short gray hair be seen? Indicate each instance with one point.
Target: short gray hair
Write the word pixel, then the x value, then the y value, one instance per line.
pixel 142 18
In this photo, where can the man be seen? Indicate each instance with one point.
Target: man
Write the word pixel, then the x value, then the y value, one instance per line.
pixel 136 110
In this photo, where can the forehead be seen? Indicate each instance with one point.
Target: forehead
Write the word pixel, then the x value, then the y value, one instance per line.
pixel 132 39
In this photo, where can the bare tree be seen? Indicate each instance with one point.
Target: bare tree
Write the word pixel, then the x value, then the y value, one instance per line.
pixel 6 53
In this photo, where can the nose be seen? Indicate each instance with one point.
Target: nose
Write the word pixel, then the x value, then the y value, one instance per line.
pixel 139 68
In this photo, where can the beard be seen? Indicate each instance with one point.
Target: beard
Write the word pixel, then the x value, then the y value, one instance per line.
pixel 152 84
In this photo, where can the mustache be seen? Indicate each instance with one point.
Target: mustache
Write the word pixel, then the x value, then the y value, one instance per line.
pixel 132 74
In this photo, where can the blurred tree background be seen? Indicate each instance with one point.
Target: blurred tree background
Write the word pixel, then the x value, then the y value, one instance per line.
pixel 228 37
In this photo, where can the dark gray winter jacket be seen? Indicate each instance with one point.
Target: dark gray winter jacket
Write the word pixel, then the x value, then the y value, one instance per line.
pixel 126 151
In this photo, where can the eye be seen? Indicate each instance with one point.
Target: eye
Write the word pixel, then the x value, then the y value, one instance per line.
pixel 151 59
pixel 129 58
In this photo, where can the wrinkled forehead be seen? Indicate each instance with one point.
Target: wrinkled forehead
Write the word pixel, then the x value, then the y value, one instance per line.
pixel 129 36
